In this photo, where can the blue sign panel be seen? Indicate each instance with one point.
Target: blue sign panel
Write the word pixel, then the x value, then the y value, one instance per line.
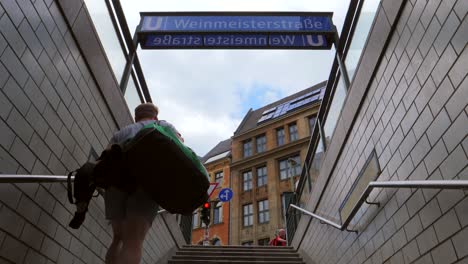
pixel 244 31
pixel 235 23
pixel 225 195
pixel 245 40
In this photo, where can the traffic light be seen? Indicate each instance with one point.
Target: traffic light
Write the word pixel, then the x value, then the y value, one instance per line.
pixel 205 213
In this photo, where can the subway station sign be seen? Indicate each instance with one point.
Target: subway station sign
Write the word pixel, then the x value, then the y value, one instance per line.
pixel 228 30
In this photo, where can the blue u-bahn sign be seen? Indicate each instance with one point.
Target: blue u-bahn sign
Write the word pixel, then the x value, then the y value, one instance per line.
pixel 197 30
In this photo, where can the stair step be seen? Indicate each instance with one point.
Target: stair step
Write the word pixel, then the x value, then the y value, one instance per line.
pixel 236 253
pixel 232 262
pixel 238 247
pixel 194 254
pixel 221 251
pixel 240 257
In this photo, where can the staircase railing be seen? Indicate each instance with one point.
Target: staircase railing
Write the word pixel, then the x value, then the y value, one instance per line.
pixel 17 178
pixel 442 184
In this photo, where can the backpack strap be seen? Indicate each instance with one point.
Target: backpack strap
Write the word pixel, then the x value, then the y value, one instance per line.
pixel 83 189
pixel 69 187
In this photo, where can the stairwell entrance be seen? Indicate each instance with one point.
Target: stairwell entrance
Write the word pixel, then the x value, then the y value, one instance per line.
pixel 234 30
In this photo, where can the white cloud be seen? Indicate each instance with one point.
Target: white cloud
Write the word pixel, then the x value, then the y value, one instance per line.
pixel 198 128
pixel 202 92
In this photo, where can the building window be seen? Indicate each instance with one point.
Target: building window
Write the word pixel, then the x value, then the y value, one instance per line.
pixel 196 220
pixel 261 176
pixel 293 132
pixel 247 148
pixel 248 215
pixel 283 168
pixel 312 120
pixel 219 177
pixel 218 213
pixel 295 165
pixel 263 241
pixel 263 212
pixel 247 180
pixel 290 166
pixel 261 143
pixel 247 243
pixel 280 136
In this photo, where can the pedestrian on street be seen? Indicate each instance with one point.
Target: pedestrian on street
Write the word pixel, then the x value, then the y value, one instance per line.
pixel 280 238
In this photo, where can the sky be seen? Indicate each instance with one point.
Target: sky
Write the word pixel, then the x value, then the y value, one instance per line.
pixel 206 93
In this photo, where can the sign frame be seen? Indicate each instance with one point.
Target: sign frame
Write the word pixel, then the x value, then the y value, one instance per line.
pixel 212 188
pixel 220 193
pixel 328 37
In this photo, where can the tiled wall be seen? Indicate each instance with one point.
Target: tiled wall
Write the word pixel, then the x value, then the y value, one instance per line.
pixel 415 116
pixel 51 114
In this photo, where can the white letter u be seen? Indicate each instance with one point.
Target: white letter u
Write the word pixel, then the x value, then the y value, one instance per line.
pixel 152 23
pixel 318 42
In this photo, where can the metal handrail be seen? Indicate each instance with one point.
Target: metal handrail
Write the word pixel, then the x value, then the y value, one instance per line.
pixel 328 222
pixel 17 178
pixel 443 184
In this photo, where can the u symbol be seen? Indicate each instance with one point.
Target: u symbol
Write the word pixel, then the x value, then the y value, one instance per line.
pixel 317 41
pixel 152 23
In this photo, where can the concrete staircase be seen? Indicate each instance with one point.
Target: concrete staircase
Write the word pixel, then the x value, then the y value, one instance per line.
pixel 236 254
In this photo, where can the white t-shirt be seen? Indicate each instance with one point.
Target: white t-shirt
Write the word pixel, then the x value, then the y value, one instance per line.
pixel 131 130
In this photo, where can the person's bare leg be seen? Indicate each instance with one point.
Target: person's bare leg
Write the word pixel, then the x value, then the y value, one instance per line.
pixel 114 249
pixel 134 232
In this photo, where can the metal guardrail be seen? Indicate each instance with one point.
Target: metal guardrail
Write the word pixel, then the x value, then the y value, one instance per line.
pixel 342 48
pixel 444 184
pixel 17 178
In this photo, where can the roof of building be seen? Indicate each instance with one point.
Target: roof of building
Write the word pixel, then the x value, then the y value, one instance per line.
pixel 218 157
pixel 223 147
pixel 252 118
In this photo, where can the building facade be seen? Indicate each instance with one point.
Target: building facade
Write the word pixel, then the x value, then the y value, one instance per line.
pixel 217 162
pixel 268 150
pixel 403 117
pixel 60 102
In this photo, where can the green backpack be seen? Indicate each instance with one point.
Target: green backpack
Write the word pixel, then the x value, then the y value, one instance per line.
pixel 154 160
pixel 187 151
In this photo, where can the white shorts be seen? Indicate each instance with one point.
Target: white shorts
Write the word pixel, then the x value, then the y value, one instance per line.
pixel 120 205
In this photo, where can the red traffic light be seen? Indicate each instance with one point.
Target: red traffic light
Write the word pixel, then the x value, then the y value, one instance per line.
pixel 206 205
